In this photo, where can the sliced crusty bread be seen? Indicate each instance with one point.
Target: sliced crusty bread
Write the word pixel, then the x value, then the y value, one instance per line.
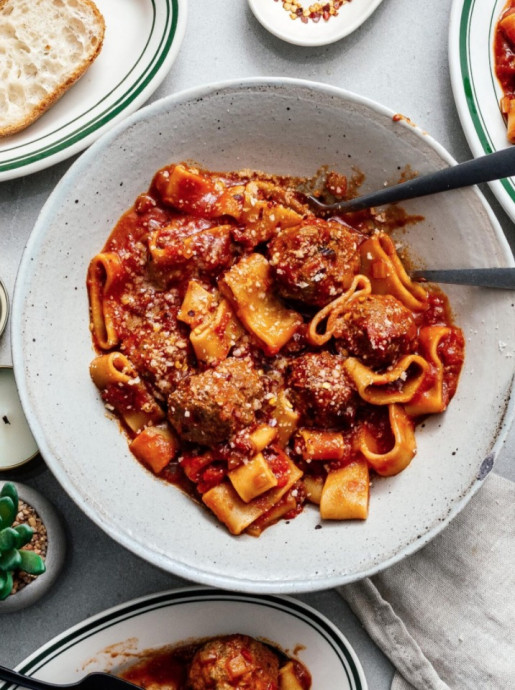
pixel 45 46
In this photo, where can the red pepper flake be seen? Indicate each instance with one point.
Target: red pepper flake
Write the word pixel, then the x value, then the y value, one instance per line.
pixel 314 12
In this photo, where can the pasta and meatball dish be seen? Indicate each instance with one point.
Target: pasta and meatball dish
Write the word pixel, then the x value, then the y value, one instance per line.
pixel 504 63
pixel 228 662
pixel 260 357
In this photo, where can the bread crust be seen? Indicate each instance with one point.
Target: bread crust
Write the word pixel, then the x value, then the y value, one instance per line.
pixel 95 24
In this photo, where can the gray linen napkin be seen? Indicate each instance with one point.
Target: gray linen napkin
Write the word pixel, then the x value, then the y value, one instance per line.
pixel 445 616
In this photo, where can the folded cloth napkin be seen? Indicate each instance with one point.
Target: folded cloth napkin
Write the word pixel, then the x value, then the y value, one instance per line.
pixel 445 616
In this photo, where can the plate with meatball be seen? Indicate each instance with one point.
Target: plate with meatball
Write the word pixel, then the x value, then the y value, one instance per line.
pixel 291 410
pixel 200 639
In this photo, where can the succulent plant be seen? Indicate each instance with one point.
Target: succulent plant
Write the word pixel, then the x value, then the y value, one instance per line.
pixel 12 556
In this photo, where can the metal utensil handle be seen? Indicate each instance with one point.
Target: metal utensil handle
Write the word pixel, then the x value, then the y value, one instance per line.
pixel 24 681
pixel 492 166
pixel 502 278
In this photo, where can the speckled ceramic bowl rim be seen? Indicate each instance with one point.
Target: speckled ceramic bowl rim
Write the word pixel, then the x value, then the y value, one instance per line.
pixel 193 572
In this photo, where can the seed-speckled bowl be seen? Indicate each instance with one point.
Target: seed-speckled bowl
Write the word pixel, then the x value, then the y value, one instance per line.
pixel 281 126
pixel 54 558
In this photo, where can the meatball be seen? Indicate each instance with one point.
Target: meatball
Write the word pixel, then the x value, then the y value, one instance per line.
pixel 315 261
pixel 208 408
pixel 320 390
pixel 234 662
pixel 378 329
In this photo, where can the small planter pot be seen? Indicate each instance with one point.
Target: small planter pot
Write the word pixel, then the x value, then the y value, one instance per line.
pixel 54 558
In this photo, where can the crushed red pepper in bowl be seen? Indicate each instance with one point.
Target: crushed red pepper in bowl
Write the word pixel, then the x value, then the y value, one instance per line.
pixel 315 12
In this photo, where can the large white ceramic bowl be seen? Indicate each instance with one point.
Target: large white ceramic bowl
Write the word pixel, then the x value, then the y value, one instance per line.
pixel 283 126
pixel 119 636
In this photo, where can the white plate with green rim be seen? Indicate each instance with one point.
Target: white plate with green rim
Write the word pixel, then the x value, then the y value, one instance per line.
pixel 111 638
pixel 476 89
pixel 141 42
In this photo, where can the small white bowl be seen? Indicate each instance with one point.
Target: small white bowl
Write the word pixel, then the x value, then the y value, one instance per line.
pixel 286 127
pixel 272 15
pixel 119 635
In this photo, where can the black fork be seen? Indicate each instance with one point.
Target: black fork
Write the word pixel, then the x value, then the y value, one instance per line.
pixel 93 681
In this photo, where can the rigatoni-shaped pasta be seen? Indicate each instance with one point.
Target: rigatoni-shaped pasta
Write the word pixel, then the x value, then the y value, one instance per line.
pixel 430 398
pixel 262 436
pixel 399 456
pixel 380 262
pixel 287 504
pixel 165 252
pixel 230 203
pixel 345 494
pixel 187 189
pixel 288 678
pixel 263 218
pixel 313 486
pixel 321 445
pixel 197 306
pixel 155 447
pixel 215 328
pixel 398 384
pixel 176 244
pixel 104 272
pixel 286 417
pixel 360 287
pixel 114 368
pixel 224 501
pixel 252 478
pixel 123 391
pixel 248 286
pixel 213 339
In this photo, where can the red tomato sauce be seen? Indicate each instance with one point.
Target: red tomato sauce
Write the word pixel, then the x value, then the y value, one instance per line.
pixel 178 668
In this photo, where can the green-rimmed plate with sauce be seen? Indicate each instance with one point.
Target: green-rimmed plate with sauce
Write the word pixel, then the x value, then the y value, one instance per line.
pixel 476 90
pixel 121 635
pixel 141 42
